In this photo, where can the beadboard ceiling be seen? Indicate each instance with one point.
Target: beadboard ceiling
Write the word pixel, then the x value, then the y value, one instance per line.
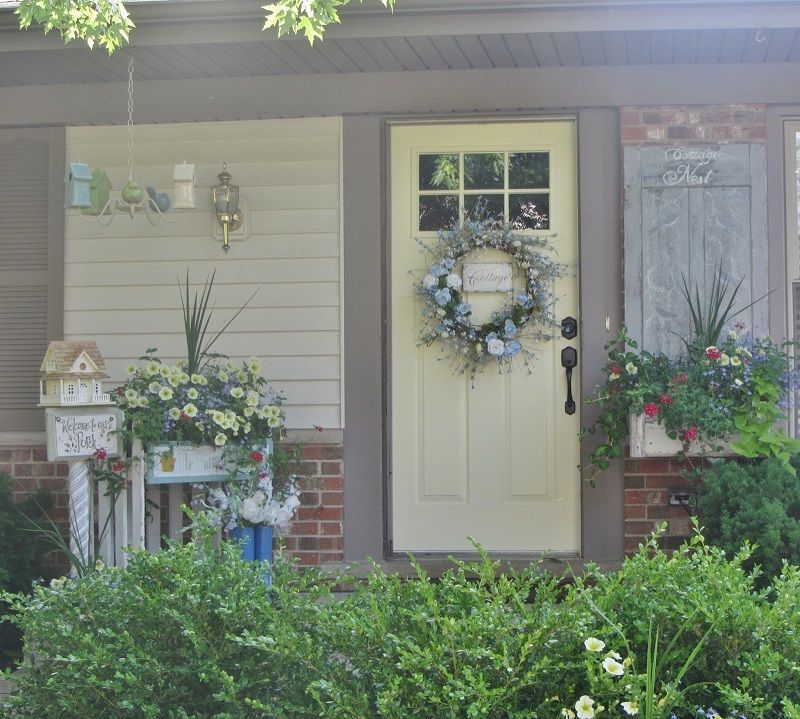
pixel 512 36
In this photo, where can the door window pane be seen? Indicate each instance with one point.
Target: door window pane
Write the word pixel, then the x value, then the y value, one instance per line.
pixel 484 206
pixel 484 171
pixel 437 211
pixel 528 170
pixel 438 172
pixel 529 211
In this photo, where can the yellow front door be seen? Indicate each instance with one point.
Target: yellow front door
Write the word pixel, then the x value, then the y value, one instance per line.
pixel 496 461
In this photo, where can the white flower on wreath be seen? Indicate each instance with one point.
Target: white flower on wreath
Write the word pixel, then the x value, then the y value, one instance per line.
pixel 453 281
pixel 495 346
pixel 429 282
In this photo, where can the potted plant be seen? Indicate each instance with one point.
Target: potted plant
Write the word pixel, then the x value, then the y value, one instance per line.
pixel 719 395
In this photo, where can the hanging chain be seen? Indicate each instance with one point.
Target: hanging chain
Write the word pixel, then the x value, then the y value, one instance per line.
pixel 130 118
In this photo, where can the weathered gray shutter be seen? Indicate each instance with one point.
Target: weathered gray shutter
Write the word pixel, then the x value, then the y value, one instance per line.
pixel 28 283
pixel 686 210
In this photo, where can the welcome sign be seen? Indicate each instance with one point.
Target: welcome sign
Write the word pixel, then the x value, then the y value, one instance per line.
pixel 78 433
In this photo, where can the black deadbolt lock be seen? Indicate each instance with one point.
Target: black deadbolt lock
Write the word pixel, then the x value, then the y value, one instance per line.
pixel 569 328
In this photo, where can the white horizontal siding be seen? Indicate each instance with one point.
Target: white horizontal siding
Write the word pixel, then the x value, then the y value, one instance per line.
pixel 121 281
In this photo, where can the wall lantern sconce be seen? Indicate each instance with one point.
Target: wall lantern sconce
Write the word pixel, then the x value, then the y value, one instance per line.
pixel 226 205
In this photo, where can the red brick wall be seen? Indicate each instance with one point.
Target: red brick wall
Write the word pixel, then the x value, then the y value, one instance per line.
pixel 647 488
pixel 686 124
pixel 315 536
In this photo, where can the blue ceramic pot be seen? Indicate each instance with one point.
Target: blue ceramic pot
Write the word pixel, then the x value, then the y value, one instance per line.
pixel 246 538
pixel 263 542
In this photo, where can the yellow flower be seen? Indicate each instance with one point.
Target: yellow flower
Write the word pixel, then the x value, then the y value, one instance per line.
pixel 241 375
pixel 735 361
pixel 154 387
pixel 631 368
pixel 174 379
pixel 192 393
pixel 190 410
pixel 248 411
pixel 222 376
pixel 131 394
pixel 152 368
pixel 724 360
pixel 220 439
pixel 631 708
pixel 164 370
pixel 142 402
pixel 131 369
pixel 229 366
pixel 197 378
pixel 567 713
pixel 237 392
pixel 165 393
pixel 254 365
pixel 252 399
pixel 613 667
pixel 273 421
pixel 174 413
pixel 183 378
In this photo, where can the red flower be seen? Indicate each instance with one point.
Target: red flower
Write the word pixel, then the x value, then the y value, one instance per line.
pixel 118 466
pixel 184 416
pixel 690 434
pixel 651 409
pixel 100 453
pixel 680 378
pixel 713 353
pixel 119 391
pixel 665 399
pixel 613 389
pixel 256 456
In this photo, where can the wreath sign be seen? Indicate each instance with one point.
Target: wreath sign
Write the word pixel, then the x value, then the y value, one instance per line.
pixel 447 315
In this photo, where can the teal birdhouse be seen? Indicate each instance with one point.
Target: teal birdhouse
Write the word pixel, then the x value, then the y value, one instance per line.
pixel 99 192
pixel 78 180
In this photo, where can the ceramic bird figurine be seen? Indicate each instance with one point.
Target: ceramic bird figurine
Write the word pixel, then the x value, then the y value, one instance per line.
pixel 160 200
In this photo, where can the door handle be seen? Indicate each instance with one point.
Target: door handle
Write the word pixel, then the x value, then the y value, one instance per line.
pixel 569 360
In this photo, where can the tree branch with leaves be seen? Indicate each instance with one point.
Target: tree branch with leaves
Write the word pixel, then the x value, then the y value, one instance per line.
pixel 107 24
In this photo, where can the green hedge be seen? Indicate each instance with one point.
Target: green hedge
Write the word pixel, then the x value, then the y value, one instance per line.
pixel 194 632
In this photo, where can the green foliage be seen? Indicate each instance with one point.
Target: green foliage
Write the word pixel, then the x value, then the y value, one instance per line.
pixel 196 318
pixel 309 17
pixel 193 632
pixel 102 22
pixel 22 552
pixel 758 502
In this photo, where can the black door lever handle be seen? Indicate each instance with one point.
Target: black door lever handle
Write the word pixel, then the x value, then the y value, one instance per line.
pixel 569 360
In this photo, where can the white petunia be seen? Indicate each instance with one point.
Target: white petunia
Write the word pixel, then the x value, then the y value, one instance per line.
pixel 585 707
pixel 220 439
pixel 593 644
pixel 165 393
pixel 613 667
pixel 631 708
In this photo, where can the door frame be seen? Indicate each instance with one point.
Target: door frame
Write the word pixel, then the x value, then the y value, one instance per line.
pixel 600 538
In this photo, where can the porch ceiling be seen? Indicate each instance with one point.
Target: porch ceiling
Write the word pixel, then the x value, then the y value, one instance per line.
pixel 203 39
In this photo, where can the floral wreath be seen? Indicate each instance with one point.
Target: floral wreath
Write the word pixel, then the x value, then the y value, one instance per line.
pixel 446 314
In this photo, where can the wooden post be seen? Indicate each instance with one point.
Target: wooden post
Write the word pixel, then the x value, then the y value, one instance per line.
pixel 105 527
pixel 121 528
pixel 80 534
pixel 137 496
pixel 153 518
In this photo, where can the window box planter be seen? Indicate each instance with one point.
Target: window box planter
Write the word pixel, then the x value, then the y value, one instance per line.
pixel 648 438
pixel 182 463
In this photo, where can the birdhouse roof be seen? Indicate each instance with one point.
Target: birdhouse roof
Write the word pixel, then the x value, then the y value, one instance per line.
pixel 80 171
pixel 183 172
pixel 65 355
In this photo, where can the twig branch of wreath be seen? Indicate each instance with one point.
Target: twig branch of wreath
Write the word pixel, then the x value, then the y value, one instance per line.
pixel 509 336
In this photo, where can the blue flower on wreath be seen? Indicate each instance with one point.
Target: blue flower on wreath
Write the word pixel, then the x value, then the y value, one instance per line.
pixel 442 296
pixel 524 299
pixel 463 308
pixel 438 270
pixel 512 348
pixel 491 336
pixel 449 263
pixel 509 328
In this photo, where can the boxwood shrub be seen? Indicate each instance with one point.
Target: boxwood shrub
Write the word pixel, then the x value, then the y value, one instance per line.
pixel 193 632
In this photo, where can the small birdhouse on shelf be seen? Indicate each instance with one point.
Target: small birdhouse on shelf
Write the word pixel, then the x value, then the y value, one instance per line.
pixel 183 176
pixel 99 192
pixel 72 374
pixel 78 185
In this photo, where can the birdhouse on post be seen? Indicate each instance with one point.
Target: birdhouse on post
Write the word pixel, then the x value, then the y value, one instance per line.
pixel 99 192
pixel 71 375
pixel 184 179
pixel 77 180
